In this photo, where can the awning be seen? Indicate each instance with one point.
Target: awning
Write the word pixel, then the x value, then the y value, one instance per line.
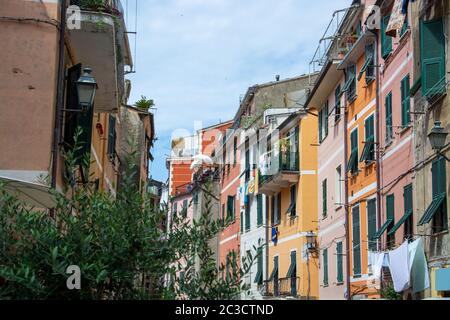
pixel 432 209
pixel 380 232
pixel 275 271
pixel 397 19
pixel 400 222
pixel 33 194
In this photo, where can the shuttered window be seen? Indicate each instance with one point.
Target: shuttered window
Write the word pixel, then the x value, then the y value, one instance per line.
pixel 325 267
pixel 386 41
pixel 352 165
pixel 259 204
pixel 405 101
pixel 390 216
pixel 340 264
pixel 337 103
pixel 372 223
pixel 432 49
pixel 320 126
pixel 111 135
pixel 231 208
pixel 324 198
pixel 325 119
pixel 356 237
pixel 389 125
pixel 408 205
pixel 368 153
pixel 440 220
pixel 247 216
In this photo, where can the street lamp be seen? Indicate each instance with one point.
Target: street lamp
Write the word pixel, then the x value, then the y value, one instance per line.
pixel 311 241
pixel 437 136
pixel 86 87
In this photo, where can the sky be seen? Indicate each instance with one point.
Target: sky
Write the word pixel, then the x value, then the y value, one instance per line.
pixel 195 58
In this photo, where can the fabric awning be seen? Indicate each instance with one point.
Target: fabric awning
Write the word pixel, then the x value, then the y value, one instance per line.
pixel 432 209
pixel 383 228
pixel 397 19
pixel 33 194
pixel 400 222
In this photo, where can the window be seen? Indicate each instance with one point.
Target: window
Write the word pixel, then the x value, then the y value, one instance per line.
pixel 292 210
pixel 337 103
pixel 259 204
pixel 390 216
pixel 274 276
pixel 224 214
pixel 174 210
pixel 323 122
pixel 185 208
pixel 386 40
pixel 325 267
pixel 111 135
pixel 292 273
pixel 247 159
pixel 406 101
pixel 340 264
pixel 356 242
pixel 372 223
pixel 242 222
pixel 350 83
pixel 276 209
pixel 352 165
pixel 368 154
pixel 437 210
pixel 324 198
pixel 408 205
pixel 338 186
pixel 440 221
pixel 389 125
pixel 231 208
pixel 235 151
pixel 404 27
pixel 259 266
pixel 368 67
pixel 247 216
pixel 432 49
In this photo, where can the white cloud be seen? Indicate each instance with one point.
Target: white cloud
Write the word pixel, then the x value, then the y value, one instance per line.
pixel 196 57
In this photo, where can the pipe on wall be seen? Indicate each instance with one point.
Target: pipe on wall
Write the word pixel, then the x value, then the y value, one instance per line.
pixel 59 93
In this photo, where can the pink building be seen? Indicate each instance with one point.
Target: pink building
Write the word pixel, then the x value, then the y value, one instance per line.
pixel 396 139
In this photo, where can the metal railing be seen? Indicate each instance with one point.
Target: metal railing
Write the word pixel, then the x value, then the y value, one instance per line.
pixel 183 189
pixel 286 160
pixel 108 6
pixel 282 287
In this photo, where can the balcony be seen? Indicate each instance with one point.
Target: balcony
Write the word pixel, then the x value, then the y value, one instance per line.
pixel 278 170
pixel 184 189
pixel 101 43
pixel 282 288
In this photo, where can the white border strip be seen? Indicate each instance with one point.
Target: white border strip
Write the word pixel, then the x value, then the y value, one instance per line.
pixel 363 191
pixel 360 114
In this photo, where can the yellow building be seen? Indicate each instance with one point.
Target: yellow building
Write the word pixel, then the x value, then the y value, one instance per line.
pixel 288 176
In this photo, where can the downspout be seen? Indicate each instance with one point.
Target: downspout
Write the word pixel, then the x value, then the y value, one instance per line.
pixel 267 241
pixel 347 229
pixel 378 135
pixel 59 94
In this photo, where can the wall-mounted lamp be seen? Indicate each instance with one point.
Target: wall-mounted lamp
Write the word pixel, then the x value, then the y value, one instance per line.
pixel 86 88
pixel 437 138
pixel 311 241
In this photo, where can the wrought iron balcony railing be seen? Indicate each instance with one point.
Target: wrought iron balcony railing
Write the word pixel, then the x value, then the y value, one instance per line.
pixel 282 287
pixel 285 160
pixel 108 6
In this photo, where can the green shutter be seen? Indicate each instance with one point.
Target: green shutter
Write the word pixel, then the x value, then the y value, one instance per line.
pixel 259 200
pixel 320 126
pixel 353 160
pixel 356 242
pixel 326 119
pixel 386 41
pixel 325 267
pixel 372 223
pixel 324 198
pixel 242 223
pixel 368 153
pixel 337 101
pixel 230 208
pixel 247 216
pixel 405 100
pixel 339 258
pixel 432 48
pixel 389 126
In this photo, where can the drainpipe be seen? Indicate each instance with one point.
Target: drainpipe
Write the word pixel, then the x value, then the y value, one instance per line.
pixel 347 229
pixel 378 134
pixel 59 94
pixel 267 240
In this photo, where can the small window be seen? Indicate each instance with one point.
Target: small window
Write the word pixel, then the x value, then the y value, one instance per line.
pixel 337 103
pixel 352 165
pixel 338 186
pixel 231 208
pixel 325 267
pixel 406 100
pixel 389 124
pixel 292 210
pixel 324 198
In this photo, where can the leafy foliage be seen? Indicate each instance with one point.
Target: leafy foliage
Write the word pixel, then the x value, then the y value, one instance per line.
pixel 119 244
pixel 144 103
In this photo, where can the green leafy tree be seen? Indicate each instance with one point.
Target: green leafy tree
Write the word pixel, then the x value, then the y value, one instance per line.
pixel 118 243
